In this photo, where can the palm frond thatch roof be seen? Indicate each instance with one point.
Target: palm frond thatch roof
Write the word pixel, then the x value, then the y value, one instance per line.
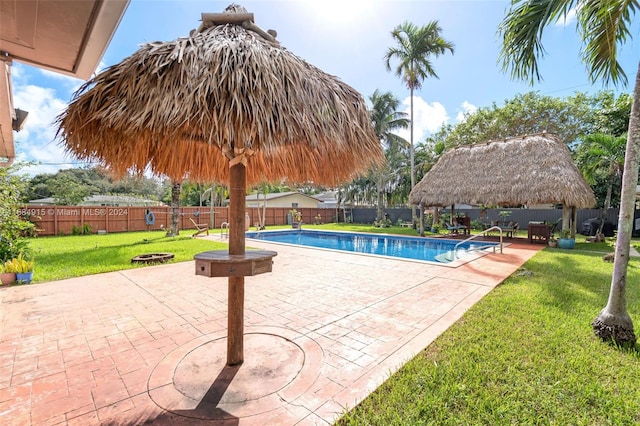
pixel 185 108
pixel 533 169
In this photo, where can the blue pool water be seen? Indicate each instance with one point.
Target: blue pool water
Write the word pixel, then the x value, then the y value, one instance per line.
pixel 429 249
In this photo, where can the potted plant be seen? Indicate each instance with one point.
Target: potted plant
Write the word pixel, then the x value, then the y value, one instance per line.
pixel 504 214
pixel 296 218
pixel 23 267
pixel 7 273
pixel 565 241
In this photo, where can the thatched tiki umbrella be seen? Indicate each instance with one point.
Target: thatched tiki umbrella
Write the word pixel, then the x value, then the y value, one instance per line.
pixel 227 104
pixel 532 169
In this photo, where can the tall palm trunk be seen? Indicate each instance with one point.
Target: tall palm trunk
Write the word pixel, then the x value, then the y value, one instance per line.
pixel 411 155
pixel 614 323
pixel 379 199
pixel 263 219
pixel 607 204
pixel 173 231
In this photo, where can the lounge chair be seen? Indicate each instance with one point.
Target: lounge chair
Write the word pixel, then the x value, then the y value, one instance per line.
pixel 200 227
pixel 460 224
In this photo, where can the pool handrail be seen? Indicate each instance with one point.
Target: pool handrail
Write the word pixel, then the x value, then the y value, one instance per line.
pixel 224 230
pixel 493 228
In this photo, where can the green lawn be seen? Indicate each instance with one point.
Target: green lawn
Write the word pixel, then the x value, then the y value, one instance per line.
pixel 73 256
pixel 525 354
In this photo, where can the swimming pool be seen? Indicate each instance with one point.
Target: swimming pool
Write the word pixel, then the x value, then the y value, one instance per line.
pixel 416 248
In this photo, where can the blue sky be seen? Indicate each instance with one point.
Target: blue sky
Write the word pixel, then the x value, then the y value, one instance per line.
pixel 346 38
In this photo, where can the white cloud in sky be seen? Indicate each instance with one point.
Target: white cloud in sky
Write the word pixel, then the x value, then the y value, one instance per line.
pixel 466 109
pixel 36 140
pixel 567 20
pixel 68 83
pixel 16 71
pixel 427 118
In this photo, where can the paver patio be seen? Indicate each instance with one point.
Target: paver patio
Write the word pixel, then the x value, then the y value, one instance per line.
pixel 322 331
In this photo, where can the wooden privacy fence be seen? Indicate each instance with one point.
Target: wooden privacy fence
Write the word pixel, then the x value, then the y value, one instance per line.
pixel 67 220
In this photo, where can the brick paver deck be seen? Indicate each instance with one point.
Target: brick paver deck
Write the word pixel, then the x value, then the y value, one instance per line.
pixel 121 347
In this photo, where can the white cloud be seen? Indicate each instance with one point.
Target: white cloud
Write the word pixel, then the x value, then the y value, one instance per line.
pixel 427 118
pixel 567 20
pixel 35 142
pixel 16 71
pixel 466 109
pixel 101 67
pixel 67 82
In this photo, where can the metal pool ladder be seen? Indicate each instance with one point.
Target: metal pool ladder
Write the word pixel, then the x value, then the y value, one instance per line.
pixel 493 228
pixel 224 230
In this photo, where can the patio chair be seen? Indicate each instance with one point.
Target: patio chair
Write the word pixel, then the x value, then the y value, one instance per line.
pixel 200 227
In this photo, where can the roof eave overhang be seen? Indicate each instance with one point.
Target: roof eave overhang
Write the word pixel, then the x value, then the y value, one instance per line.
pixel 100 29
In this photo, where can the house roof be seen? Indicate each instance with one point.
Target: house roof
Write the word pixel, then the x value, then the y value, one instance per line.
pixel 532 169
pixel 105 199
pixel 331 196
pixel 275 195
pixel 68 37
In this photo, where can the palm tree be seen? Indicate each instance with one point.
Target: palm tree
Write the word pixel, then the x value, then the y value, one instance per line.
pixel 602 25
pixel 173 230
pixel 414 47
pixel 602 155
pixel 386 118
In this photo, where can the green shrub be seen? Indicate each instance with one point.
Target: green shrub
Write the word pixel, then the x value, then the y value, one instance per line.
pixel 382 223
pixel 13 227
pixel 476 224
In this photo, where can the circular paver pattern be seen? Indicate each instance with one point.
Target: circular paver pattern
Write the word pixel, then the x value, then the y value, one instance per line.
pixel 194 380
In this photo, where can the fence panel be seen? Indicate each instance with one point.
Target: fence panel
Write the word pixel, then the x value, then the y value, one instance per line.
pixel 66 220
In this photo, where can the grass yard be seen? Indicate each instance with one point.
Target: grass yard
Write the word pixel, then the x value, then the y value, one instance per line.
pixel 524 354
pixel 73 256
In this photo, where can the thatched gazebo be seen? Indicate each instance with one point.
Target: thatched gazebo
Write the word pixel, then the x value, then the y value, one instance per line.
pixel 225 104
pixel 532 169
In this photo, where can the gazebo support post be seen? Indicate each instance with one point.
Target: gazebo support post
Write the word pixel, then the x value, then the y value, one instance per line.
pixel 235 316
pixel 566 217
pixel 574 221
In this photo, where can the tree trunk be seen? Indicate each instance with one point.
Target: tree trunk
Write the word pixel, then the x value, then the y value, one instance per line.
pixel 566 217
pixel 379 199
pixel 436 217
pixel 607 203
pixel 212 210
pixel 413 166
pixel 175 209
pixel 263 219
pixel 614 323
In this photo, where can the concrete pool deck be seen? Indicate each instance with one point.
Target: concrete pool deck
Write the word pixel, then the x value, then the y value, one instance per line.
pixel 148 345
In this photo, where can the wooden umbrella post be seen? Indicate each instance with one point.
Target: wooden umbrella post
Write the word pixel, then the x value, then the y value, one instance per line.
pixel 235 317
pixel 235 263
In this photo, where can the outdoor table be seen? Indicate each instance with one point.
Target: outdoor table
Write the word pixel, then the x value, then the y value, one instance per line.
pixel 538 233
pixel 219 263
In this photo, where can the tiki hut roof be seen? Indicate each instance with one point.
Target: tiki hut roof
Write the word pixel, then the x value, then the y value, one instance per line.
pixel 533 169
pixel 227 92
